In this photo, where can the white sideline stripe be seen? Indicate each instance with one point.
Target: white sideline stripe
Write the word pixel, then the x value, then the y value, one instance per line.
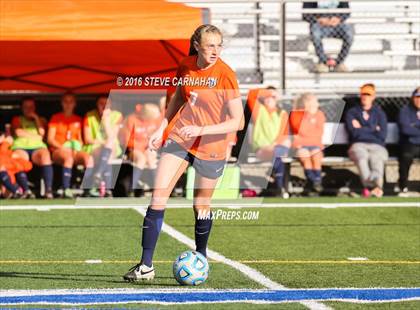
pixel 187 205
pixel 357 258
pixel 128 290
pixel 258 302
pixel 93 261
pixel 246 270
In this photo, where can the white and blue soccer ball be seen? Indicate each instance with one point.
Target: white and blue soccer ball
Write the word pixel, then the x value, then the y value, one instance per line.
pixel 191 268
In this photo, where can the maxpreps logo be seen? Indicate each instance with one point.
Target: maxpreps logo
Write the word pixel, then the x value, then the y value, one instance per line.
pixel 211 82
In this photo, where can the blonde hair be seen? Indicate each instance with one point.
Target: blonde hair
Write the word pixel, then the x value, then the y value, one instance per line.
pixel 198 34
pixel 149 111
pixel 299 102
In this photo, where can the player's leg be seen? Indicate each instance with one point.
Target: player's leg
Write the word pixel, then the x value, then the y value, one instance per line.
pixel 170 168
pixel 102 156
pixel 203 191
pixel 207 174
pixel 21 154
pixel 41 157
pixel 64 158
pixel 21 176
pixel 6 181
pixel 279 152
pixel 139 163
pixel 304 157
pixel 316 158
pixel 84 159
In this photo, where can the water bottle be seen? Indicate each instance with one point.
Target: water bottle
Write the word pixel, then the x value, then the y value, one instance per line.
pixel 102 189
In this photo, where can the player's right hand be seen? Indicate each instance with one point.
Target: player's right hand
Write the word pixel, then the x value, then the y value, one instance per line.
pixel 155 140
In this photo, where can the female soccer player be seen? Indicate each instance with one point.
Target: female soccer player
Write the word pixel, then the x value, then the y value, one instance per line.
pixel 65 141
pixel 307 125
pixel 29 130
pixel 199 118
pixel 135 133
pixel 100 130
pixel 13 170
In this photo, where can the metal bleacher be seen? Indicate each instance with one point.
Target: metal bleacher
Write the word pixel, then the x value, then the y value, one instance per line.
pixel 385 51
pixel 386 47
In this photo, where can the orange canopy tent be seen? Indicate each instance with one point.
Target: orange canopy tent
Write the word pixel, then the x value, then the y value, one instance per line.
pixel 83 46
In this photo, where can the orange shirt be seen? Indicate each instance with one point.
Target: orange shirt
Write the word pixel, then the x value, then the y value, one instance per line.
pixel 139 131
pixel 307 129
pixel 205 104
pixel 11 164
pixel 67 127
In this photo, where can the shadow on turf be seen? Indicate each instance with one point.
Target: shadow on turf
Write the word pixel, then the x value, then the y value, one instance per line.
pixel 230 225
pixel 309 225
pixel 74 277
pixel 71 226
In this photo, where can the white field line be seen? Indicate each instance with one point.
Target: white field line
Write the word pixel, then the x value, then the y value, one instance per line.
pixel 180 289
pixel 222 205
pixel 256 302
pixel 58 292
pixel 246 270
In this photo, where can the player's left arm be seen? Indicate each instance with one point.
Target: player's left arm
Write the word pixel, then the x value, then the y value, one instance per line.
pixel 235 123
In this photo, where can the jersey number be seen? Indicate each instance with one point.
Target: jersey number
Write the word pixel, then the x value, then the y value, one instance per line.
pixel 193 98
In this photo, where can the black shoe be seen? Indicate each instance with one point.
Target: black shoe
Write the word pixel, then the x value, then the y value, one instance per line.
pixel 317 187
pixel 308 188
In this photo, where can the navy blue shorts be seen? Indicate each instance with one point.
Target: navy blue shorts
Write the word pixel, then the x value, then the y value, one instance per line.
pixel 211 169
pixel 30 152
pixel 311 148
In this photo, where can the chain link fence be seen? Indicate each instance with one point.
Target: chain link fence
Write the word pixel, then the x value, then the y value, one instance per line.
pixel 338 45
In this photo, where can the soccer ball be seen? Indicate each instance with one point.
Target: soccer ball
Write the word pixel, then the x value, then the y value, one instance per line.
pixel 191 268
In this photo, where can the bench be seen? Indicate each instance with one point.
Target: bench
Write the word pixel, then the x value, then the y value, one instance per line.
pixel 334 134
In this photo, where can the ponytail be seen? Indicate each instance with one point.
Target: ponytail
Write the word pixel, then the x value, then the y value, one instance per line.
pixel 197 35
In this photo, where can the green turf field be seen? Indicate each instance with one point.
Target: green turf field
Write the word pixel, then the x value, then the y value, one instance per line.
pixel 296 247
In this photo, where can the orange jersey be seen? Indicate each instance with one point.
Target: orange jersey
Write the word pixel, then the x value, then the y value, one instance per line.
pixel 11 164
pixel 205 103
pixel 307 128
pixel 67 127
pixel 139 131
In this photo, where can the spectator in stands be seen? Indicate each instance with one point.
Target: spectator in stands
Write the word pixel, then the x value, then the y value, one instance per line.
pixel 65 141
pixel 13 170
pixel 307 126
pixel 29 130
pixel 366 124
pixel 409 125
pixel 100 129
pixel 136 132
pixel 327 25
